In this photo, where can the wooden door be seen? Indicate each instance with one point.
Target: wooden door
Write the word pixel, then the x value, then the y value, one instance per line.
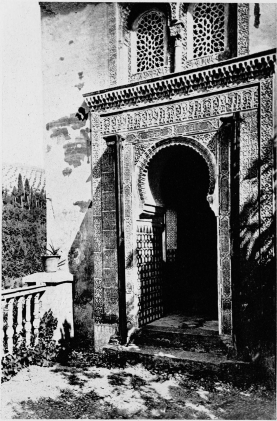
pixel 150 268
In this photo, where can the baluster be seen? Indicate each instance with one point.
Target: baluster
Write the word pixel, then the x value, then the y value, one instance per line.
pixel 28 325
pixel 36 317
pixel 10 329
pixel 19 326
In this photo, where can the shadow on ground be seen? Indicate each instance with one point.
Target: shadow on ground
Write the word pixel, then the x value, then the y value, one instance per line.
pixel 135 392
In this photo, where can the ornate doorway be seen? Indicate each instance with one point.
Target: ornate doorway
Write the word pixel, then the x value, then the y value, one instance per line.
pixel 178 179
pixel 218 197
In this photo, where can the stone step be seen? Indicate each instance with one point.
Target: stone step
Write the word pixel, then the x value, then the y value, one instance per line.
pixel 199 340
pixel 193 363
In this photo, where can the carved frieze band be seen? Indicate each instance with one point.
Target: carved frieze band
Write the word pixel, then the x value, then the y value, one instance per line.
pixel 148 74
pixel 202 61
pixel 243 29
pixel 173 129
pixel 212 106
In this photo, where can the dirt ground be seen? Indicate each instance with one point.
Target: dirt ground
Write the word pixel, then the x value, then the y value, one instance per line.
pixel 133 392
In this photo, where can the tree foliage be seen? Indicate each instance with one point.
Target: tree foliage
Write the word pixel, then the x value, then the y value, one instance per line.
pixel 20 189
pixel 23 232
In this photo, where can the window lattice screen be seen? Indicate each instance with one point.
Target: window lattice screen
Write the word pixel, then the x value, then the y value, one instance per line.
pixel 171 229
pixel 208 29
pixel 150 41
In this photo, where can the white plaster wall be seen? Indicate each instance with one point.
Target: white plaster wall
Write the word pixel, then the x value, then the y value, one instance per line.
pixel 75 61
pixel 263 37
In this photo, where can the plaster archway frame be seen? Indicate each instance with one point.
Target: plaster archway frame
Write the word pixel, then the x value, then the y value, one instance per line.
pixel 218 190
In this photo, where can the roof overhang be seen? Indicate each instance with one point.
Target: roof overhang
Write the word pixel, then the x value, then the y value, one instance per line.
pixel 187 83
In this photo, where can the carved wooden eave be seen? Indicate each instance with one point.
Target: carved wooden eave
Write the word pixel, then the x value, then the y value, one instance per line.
pixel 187 83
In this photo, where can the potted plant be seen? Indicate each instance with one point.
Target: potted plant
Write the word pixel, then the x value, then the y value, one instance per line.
pixel 50 260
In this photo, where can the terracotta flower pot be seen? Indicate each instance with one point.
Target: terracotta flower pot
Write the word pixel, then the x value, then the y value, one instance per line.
pixel 50 263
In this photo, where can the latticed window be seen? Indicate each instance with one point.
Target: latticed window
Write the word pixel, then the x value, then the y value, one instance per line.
pixel 208 29
pixel 150 43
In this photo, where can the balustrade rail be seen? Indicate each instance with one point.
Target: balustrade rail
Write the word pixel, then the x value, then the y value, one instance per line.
pixel 20 315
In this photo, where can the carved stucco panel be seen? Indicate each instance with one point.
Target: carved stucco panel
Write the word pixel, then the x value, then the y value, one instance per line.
pixel 243 29
pixel 267 165
pixel 224 244
pixel 97 150
pixel 128 213
pixel 249 154
pixel 200 108
pixel 124 12
pixel 112 38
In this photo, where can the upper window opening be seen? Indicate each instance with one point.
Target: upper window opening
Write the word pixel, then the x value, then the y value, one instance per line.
pixel 208 29
pixel 150 43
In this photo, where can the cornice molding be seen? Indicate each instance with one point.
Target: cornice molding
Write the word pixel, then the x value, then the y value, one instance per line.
pixel 228 73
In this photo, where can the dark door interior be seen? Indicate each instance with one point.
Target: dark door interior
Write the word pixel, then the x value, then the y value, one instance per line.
pixel 191 282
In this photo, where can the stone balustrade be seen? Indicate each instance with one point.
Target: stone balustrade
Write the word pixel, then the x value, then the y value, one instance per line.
pixel 22 308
